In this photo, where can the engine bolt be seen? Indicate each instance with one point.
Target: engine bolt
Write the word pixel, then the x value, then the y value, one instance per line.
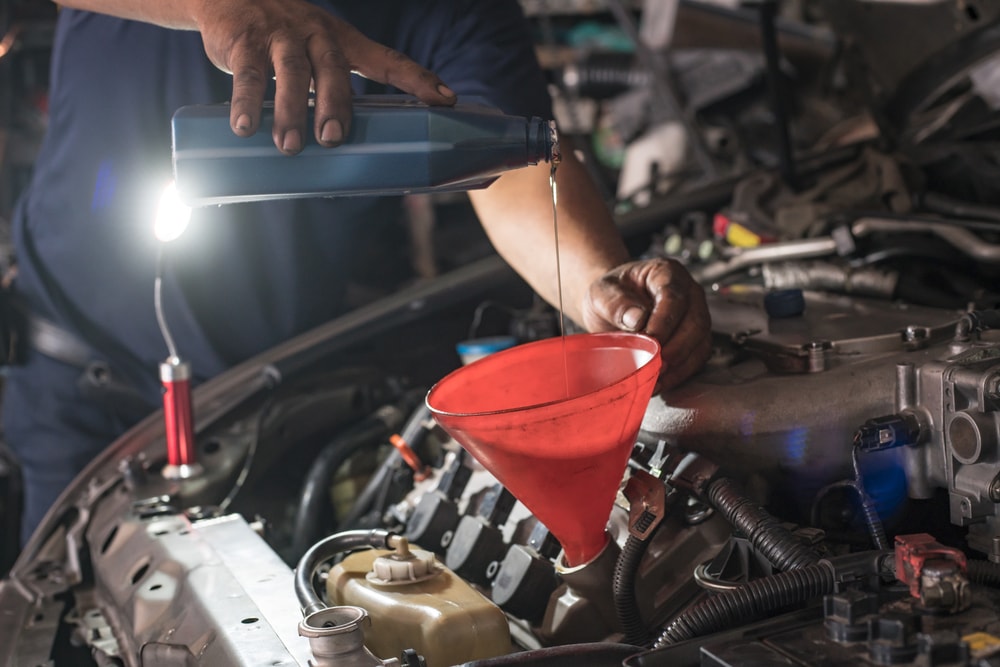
pixel 995 490
pixel 446 538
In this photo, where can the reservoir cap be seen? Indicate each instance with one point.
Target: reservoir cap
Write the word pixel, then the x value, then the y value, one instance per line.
pixel 403 566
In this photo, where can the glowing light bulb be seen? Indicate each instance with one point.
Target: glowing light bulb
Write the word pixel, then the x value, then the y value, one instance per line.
pixel 172 215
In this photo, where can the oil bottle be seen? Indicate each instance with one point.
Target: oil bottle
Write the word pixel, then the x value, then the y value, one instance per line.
pixel 396 145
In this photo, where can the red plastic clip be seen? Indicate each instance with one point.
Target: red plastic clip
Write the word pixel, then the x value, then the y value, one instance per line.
pixel 914 551
pixel 409 456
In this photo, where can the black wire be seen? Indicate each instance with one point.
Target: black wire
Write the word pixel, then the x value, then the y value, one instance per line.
pixel 749 602
pixel 258 429
pixel 876 531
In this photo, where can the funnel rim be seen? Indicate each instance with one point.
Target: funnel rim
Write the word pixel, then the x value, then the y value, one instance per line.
pixel 654 356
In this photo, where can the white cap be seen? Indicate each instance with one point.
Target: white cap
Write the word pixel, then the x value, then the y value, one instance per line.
pixel 403 566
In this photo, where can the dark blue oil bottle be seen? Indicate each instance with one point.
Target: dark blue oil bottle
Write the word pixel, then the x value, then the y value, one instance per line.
pixel 396 145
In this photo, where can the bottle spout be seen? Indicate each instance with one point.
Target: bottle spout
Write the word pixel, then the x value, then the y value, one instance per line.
pixel 543 141
pixel 555 154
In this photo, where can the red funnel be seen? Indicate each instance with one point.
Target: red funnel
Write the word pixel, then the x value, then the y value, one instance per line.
pixel 556 429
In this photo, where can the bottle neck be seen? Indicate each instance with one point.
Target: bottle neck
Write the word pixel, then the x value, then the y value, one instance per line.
pixel 543 141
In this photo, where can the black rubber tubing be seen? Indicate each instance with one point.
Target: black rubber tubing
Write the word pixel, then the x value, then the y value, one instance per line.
pixel 323 551
pixel 626 605
pixel 314 499
pixel 984 572
pixel 754 600
pixel 413 434
pixel 775 542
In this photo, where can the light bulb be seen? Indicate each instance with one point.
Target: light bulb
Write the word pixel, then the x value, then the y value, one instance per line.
pixel 172 215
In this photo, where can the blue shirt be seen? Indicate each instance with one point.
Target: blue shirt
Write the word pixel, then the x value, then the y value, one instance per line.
pixel 243 277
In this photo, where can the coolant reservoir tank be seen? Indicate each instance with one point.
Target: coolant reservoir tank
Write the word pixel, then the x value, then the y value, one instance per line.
pixel 416 602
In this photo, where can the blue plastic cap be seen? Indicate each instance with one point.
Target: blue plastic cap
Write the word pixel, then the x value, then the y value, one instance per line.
pixel 477 348
pixel 784 303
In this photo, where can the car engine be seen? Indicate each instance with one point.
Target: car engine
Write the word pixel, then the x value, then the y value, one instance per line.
pixel 824 492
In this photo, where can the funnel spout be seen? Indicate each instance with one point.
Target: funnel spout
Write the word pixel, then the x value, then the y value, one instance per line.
pixel 555 421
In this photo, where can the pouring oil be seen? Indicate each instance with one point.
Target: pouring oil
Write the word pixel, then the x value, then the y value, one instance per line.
pixel 555 232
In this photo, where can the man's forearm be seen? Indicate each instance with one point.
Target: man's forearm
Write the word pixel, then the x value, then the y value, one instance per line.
pixel 166 13
pixel 516 212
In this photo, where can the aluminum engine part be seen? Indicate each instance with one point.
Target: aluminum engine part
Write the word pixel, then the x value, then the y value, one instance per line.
pixel 337 638
pixel 208 592
pixel 957 399
pixel 783 397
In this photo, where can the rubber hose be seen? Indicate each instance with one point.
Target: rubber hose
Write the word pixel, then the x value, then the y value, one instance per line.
pixel 626 605
pixel 751 601
pixel 314 499
pixel 413 433
pixel 782 549
pixel 984 572
pixel 366 499
pixel 598 654
pixel 323 551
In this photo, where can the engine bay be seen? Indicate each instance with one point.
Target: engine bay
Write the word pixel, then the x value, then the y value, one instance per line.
pixel 824 492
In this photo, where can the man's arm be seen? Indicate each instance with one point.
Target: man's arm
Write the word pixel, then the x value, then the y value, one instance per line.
pixel 516 212
pixel 300 44
pixel 602 289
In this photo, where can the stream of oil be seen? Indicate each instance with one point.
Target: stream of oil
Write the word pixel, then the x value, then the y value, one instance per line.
pixel 555 231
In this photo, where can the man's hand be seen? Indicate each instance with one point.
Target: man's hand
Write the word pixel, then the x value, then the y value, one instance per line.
pixel 304 47
pixel 657 297
pixel 300 44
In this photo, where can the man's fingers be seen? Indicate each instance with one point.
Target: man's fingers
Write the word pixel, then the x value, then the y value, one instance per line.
pixel 671 286
pixel 658 298
pixel 612 306
pixel 302 45
pixel 292 74
pixel 690 345
pixel 332 80
pixel 250 68
pixel 380 63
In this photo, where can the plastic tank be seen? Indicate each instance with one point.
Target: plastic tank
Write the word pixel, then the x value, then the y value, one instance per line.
pixel 396 145
pixel 420 604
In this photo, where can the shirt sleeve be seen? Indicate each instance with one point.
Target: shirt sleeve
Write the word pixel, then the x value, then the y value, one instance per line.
pixel 484 49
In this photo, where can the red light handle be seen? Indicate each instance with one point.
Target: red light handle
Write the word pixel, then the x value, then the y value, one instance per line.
pixel 177 412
